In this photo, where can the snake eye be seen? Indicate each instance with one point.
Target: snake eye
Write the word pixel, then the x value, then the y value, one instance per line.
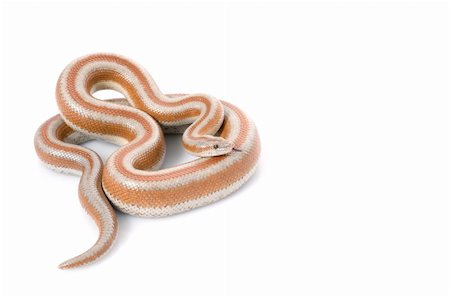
pixel 216 146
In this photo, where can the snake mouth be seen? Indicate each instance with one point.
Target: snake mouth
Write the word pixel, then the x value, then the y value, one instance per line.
pixel 238 150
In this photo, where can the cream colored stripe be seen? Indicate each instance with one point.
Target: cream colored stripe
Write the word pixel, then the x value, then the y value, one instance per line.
pixel 181 207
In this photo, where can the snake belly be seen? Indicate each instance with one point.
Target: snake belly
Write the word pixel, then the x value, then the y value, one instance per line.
pixel 224 138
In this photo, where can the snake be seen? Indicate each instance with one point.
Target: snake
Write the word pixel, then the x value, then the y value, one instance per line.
pixel 131 180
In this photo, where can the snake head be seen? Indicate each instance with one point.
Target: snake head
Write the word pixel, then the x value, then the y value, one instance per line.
pixel 214 146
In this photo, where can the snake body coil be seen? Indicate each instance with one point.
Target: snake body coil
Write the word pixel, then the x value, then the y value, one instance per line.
pixel 219 133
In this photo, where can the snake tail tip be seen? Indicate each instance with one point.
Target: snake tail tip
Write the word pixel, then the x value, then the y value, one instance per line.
pixel 69 264
pixel 63 266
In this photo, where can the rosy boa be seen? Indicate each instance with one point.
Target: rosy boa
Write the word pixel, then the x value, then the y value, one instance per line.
pixel 219 133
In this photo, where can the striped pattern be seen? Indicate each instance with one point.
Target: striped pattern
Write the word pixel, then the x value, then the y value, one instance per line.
pixel 218 132
pixel 53 148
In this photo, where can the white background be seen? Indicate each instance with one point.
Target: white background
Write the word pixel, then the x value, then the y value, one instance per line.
pixel 351 196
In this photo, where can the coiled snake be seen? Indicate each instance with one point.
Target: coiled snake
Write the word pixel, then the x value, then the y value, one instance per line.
pixel 219 133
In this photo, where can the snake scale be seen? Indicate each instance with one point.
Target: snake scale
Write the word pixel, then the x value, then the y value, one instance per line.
pixel 220 134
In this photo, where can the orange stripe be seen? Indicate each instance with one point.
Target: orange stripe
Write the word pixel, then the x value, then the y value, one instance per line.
pixel 59 161
pixel 97 218
pixel 207 162
pixel 111 75
pixel 193 190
